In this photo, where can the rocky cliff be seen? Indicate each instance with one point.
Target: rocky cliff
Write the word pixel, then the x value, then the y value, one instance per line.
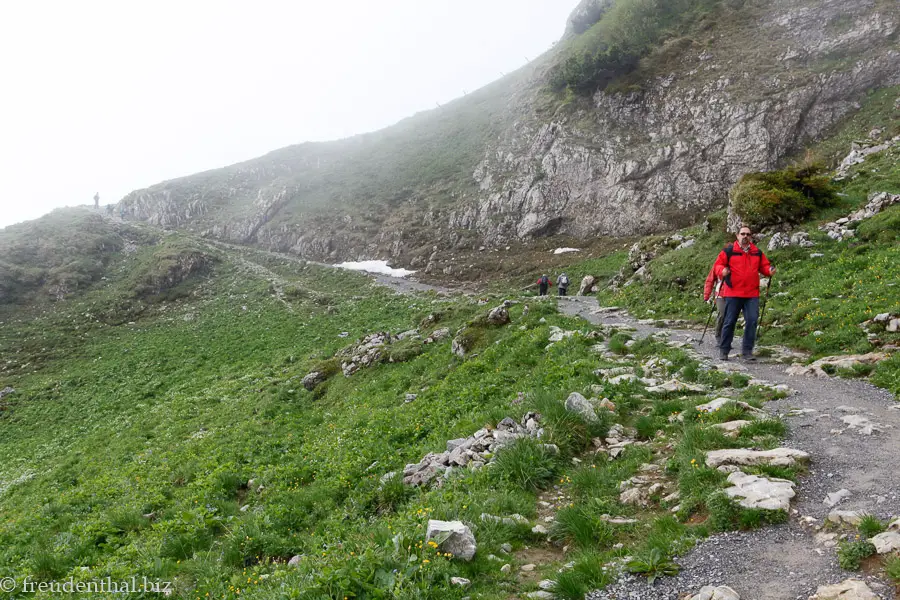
pixel 743 92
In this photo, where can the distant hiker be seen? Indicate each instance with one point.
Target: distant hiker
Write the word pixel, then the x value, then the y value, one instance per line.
pixel 97 200
pixel 543 283
pixel 562 284
pixel 712 291
pixel 109 210
pixel 739 266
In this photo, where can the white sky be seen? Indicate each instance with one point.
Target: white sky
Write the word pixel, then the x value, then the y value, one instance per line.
pixel 112 96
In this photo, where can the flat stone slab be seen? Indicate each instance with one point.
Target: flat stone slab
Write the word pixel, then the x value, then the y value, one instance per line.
pixel 722 592
pixel 849 589
pixel 779 457
pixel 845 517
pixel 718 403
pixel 732 428
pixel 457 538
pixel 751 491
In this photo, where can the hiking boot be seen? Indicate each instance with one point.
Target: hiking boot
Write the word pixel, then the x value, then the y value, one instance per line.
pixel 748 357
pixel 723 355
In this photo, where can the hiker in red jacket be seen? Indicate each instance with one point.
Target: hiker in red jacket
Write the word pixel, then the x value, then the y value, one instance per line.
pixel 739 266
pixel 712 290
pixel 544 282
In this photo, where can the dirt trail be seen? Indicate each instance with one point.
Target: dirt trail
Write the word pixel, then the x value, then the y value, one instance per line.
pixel 785 562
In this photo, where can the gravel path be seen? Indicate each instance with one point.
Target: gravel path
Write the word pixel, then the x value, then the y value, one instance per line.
pixel 784 562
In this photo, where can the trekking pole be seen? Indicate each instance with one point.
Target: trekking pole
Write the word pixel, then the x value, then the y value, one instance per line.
pixel 709 318
pixel 762 313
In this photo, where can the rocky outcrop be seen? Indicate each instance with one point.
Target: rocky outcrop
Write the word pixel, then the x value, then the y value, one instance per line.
pixel 620 163
pixel 636 163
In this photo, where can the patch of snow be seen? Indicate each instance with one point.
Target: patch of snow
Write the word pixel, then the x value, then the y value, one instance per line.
pixel 375 266
pixel 564 250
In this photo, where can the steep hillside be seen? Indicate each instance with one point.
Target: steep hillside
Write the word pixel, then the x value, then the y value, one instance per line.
pixel 689 104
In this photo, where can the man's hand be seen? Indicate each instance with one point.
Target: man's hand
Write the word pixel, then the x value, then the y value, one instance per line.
pixel 726 272
pixel 771 271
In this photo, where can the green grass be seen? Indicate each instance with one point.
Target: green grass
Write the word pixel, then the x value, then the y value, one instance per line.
pixel 217 466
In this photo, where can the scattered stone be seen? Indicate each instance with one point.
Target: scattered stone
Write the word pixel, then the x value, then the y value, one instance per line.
pixel 888 541
pixel 541 595
pixel 311 380
pixel 849 589
pixel 723 592
pixel 731 428
pixel 845 517
pixel 835 498
pixel 673 385
pixel 861 424
pixel 498 316
pixel 836 362
pixel 779 457
pixel 458 539
pixel 460 581
pixel 587 285
pixel 558 335
pixel 409 398
pixel 527 568
pixel 752 491
pixel 718 403
pixel 505 568
pixel 539 529
pixel 579 404
pixel 295 560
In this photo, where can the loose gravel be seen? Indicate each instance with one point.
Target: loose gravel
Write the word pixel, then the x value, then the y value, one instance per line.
pixel 783 562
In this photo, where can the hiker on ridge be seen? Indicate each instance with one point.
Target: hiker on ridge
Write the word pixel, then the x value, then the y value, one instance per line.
pixel 739 266
pixel 543 283
pixel 562 284
pixel 97 200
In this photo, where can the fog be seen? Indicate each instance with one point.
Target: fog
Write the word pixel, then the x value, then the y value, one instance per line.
pixel 110 97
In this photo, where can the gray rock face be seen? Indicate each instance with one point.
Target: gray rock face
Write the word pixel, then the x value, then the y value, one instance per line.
pixel 620 164
pixel 457 538
pixel 586 14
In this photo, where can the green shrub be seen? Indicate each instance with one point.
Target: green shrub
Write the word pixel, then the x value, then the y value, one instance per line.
pixel 870 526
pixel 851 554
pixel 786 196
pixel 652 564
pixel 882 228
pixel 892 568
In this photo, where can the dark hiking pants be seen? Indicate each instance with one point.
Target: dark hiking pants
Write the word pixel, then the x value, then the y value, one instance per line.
pixel 562 291
pixel 733 308
pixel 542 289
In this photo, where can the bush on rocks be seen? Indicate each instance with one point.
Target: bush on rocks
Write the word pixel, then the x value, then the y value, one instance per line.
pixel 786 196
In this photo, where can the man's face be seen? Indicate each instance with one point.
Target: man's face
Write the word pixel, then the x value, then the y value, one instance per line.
pixel 745 236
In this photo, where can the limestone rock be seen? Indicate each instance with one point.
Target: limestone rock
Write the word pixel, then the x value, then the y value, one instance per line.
pixel 312 380
pixel 845 517
pixel 579 404
pixel 837 362
pixel 457 538
pixel 586 286
pixel 752 491
pixel 834 498
pixel 722 592
pixel 888 541
pixel 498 316
pixel 731 428
pixel 849 589
pixel 779 457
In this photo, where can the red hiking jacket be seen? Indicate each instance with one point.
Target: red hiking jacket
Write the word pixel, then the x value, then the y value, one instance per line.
pixel 549 281
pixel 743 281
pixel 710 284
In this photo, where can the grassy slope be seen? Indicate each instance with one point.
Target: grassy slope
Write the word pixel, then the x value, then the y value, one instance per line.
pixel 129 448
